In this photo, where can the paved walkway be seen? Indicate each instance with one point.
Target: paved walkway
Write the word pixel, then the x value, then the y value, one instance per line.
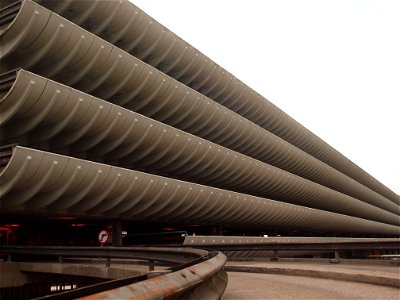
pixel 249 286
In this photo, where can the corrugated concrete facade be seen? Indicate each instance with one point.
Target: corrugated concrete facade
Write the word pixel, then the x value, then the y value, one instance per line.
pixel 117 117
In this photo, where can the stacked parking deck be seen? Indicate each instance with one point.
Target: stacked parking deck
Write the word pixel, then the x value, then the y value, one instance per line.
pixel 88 113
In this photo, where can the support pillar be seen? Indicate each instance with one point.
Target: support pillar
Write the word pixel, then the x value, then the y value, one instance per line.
pixel 151 265
pixel 220 231
pixel 117 233
pixel 217 230
pixel 275 256
pixel 336 260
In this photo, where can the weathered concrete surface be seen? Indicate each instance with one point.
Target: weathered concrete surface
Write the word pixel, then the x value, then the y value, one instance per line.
pixel 10 275
pixel 19 273
pixel 386 275
pixel 248 286
pixel 91 270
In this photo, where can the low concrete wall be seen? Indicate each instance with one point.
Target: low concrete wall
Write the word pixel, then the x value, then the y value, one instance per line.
pixel 327 274
pixel 15 274
pixel 11 275
pixel 113 272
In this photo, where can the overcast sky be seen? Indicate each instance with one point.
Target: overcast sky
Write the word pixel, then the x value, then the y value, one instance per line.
pixel 334 66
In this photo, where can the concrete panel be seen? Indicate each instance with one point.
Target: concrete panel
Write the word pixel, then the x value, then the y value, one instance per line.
pixel 81 269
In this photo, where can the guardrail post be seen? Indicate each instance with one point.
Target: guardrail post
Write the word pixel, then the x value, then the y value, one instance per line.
pixel 151 265
pixel 9 257
pixel 60 259
pixel 117 233
pixel 337 258
pixel 275 256
pixel 108 262
pixel 217 230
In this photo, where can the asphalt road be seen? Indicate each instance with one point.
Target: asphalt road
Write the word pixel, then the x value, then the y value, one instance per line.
pixel 266 286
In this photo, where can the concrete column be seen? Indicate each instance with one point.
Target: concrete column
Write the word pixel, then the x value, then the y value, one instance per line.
pixel 217 230
pixel 337 258
pixel 220 231
pixel 117 233
pixel 275 256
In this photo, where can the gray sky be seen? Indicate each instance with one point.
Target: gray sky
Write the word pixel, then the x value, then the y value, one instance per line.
pixel 334 66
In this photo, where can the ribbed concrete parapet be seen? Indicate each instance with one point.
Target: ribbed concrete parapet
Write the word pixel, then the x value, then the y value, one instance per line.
pixel 41 182
pixel 55 117
pixel 129 28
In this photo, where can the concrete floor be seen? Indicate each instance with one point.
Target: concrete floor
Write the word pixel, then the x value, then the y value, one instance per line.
pixel 349 267
pixel 266 286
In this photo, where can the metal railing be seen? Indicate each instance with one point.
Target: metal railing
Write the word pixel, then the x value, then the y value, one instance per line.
pixel 194 271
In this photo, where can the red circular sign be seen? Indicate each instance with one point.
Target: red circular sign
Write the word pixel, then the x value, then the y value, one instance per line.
pixel 103 237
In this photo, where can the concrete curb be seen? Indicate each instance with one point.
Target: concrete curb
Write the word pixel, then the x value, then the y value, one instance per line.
pixel 343 276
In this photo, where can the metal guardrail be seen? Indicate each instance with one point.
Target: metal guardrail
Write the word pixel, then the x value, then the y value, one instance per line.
pixel 242 247
pixel 205 280
pixel 249 246
pixel 171 255
pixel 198 272
pixel 301 246
pixel 227 243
